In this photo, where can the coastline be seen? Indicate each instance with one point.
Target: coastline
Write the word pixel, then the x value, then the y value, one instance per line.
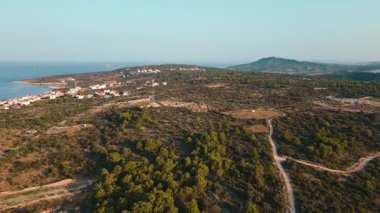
pixel 51 85
pixel 15 89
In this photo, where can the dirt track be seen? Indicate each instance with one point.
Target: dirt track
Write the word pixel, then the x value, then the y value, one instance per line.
pixel 358 166
pixel 65 188
pixel 278 160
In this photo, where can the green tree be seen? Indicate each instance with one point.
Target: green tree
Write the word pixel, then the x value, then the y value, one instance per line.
pixel 251 208
pixel 114 157
pixel 54 171
pixel 369 186
pixel 191 207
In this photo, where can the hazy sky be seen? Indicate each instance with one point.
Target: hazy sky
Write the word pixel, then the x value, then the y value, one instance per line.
pixel 189 30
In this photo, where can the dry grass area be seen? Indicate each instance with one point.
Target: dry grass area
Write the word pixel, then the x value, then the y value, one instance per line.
pixel 188 105
pixel 347 107
pixel 372 101
pixel 9 138
pixel 70 130
pixel 337 107
pixel 319 88
pixel 14 180
pixel 214 86
pixel 256 95
pixel 357 101
pixel 93 111
pixel 25 178
pixel 257 114
pixel 259 129
pixel 16 199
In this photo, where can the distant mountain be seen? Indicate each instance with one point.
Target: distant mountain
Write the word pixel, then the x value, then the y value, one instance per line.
pixel 290 66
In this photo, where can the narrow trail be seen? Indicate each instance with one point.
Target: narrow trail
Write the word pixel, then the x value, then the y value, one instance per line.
pixel 278 160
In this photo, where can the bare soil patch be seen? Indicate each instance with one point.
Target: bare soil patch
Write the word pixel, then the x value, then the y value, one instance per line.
pixel 259 129
pixel 93 111
pixel 68 129
pixel 260 113
pixel 319 88
pixel 188 105
pixel 350 105
pixel 214 86
pixel 357 101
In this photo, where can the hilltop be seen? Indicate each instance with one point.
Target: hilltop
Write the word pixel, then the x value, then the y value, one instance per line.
pixel 291 66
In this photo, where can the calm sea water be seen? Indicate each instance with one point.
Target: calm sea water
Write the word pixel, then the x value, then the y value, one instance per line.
pixel 10 72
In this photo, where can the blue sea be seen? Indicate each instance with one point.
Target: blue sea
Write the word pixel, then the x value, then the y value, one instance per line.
pixel 15 71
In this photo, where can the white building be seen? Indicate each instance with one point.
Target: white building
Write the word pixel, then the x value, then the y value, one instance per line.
pixel 74 91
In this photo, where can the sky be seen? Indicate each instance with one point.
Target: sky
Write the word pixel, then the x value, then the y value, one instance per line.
pixel 176 31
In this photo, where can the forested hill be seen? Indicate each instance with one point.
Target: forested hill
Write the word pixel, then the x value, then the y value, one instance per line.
pixel 290 66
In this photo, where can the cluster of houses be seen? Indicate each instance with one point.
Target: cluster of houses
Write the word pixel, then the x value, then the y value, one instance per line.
pixel 100 91
pixel 148 71
pixel 139 72
pixel 105 85
pixel 129 73
pixel 153 83
pixel 187 69
pixel 105 90
pixel 76 92
pixel 17 103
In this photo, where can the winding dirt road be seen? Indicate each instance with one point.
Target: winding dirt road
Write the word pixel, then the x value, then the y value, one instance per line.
pixel 278 160
pixel 358 166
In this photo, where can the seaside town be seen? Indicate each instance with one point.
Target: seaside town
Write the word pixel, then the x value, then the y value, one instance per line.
pixel 105 90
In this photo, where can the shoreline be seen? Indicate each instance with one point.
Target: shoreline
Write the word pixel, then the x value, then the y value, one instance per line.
pixel 14 90
pixel 48 84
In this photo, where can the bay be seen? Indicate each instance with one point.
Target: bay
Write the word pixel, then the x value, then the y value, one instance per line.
pixel 16 71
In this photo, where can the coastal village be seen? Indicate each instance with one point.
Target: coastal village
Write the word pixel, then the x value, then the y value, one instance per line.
pixel 108 89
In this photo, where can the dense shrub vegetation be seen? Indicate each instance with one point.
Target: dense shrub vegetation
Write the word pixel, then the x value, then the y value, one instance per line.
pixel 225 168
pixel 317 191
pixel 175 160
pixel 330 137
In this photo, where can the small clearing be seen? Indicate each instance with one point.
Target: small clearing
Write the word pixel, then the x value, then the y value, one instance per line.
pixel 188 105
pixel 365 104
pixel 259 129
pixel 319 88
pixel 257 114
pixel 357 101
pixel 68 129
pixel 214 86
